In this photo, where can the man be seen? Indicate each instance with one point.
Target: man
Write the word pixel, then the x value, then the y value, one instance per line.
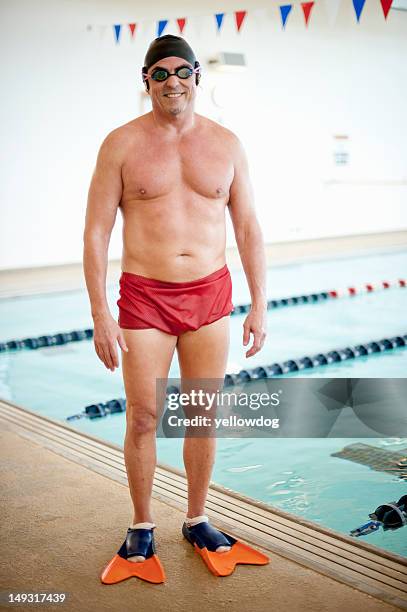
pixel 171 172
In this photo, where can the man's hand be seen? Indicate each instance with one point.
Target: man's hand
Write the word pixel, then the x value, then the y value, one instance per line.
pixel 105 336
pixel 256 324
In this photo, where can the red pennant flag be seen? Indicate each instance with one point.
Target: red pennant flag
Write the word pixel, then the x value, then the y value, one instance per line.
pixel 240 16
pixel 307 7
pixel 132 27
pixel 181 24
pixel 386 6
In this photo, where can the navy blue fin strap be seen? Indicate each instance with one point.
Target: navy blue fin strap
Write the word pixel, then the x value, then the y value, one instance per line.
pixel 206 536
pixel 138 542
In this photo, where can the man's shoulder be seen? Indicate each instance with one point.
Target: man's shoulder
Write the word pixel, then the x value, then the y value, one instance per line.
pixel 118 140
pixel 123 133
pixel 220 131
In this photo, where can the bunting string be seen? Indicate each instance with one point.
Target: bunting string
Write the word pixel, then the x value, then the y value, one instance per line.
pixel 284 11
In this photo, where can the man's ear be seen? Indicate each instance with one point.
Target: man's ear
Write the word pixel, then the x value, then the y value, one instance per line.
pixel 145 81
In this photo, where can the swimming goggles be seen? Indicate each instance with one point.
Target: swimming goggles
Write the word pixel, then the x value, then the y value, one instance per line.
pixel 161 74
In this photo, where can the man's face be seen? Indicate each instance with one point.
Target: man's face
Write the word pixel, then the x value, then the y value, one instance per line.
pixel 173 95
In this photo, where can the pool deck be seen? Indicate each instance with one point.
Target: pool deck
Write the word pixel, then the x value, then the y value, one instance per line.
pixel 58 534
pixel 26 281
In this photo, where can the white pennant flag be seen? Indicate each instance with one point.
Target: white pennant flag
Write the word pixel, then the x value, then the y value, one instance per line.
pixel 261 19
pixel 199 23
pixel 331 10
pixel 102 29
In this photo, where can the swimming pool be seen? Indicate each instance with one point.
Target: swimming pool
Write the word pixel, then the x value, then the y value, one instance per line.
pixel 297 475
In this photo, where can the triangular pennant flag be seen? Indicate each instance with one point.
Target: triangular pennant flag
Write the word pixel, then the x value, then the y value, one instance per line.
pixel 239 17
pixel 132 27
pixel 117 30
pixel 285 10
pixel 161 25
pixel 259 13
pixel 181 24
pixel 331 9
pixel 102 31
pixel 307 7
pixel 219 19
pixel 358 6
pixel 386 6
pixel 259 17
pixel 199 24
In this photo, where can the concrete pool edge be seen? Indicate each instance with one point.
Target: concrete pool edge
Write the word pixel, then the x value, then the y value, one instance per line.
pixel 358 564
pixel 39 280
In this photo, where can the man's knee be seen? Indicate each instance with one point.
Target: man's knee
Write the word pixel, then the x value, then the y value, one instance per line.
pixel 141 418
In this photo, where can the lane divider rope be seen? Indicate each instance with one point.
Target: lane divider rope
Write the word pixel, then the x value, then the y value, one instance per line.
pixel 312 298
pixel 268 371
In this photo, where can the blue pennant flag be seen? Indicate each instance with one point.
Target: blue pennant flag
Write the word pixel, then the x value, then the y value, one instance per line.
pixel 285 10
pixel 358 6
pixel 219 19
pixel 117 30
pixel 161 26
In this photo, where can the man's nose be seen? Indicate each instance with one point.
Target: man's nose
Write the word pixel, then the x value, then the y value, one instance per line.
pixel 173 81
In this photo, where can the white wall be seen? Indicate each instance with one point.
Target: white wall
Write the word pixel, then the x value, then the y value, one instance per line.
pixel 64 88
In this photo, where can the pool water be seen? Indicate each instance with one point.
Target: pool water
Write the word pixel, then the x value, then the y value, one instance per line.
pixel 297 475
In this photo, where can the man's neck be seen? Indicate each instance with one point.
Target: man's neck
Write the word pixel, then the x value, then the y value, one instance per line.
pixel 174 124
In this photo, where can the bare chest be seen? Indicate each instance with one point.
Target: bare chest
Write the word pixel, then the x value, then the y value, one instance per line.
pixel 159 170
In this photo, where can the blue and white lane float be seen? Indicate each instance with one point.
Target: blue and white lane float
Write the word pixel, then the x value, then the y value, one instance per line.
pixel 312 298
pixel 268 371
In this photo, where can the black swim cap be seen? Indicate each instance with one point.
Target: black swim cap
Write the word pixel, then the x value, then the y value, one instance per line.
pixel 167 46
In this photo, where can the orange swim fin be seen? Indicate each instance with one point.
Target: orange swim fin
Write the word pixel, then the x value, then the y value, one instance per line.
pixel 137 542
pixel 206 540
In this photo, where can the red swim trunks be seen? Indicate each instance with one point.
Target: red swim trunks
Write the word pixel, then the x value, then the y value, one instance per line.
pixel 174 307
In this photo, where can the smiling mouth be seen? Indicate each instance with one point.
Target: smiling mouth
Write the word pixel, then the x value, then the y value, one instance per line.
pixel 173 95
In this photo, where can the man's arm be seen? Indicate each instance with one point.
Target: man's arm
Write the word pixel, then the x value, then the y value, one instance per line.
pixel 104 197
pixel 250 244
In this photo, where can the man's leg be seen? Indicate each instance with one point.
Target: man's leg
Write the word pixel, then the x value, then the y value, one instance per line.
pixel 149 357
pixel 202 354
